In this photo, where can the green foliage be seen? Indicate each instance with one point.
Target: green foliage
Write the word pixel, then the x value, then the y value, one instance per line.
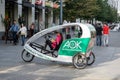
pixel 56 11
pixel 5 21
pixel 106 13
pixel 89 9
pixel 85 9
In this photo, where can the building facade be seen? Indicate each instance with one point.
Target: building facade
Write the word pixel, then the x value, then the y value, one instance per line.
pixel 39 12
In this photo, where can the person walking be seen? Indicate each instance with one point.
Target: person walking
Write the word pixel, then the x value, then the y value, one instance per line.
pixel 23 33
pixel 105 34
pixel 99 34
pixel 14 29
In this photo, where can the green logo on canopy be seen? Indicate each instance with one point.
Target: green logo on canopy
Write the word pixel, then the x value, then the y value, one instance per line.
pixel 72 46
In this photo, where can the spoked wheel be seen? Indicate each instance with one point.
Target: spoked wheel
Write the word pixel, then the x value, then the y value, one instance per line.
pixel 26 56
pixel 91 58
pixel 80 61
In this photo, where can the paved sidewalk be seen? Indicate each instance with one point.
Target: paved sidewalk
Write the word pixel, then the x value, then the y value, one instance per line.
pixel 106 66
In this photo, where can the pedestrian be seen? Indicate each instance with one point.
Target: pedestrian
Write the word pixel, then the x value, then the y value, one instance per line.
pixel 105 34
pixel 14 29
pixel 23 33
pixel 32 27
pixel 68 35
pixel 98 34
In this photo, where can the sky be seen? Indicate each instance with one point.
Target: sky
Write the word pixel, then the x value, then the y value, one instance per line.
pixel 115 3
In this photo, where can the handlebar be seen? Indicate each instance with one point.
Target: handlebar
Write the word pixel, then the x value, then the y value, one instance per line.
pixel 47 37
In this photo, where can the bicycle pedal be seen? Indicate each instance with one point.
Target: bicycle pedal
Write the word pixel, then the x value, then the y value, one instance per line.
pixel 54 55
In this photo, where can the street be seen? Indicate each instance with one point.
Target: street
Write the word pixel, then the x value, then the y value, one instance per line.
pixel 106 66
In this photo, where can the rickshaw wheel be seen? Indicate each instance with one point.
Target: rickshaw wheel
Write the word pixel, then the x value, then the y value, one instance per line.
pixel 26 56
pixel 80 61
pixel 91 58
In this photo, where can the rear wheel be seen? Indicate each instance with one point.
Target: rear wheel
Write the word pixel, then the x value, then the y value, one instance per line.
pixel 80 61
pixel 26 56
pixel 91 58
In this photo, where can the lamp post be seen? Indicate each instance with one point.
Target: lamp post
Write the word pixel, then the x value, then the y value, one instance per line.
pixel 61 12
pixel 43 14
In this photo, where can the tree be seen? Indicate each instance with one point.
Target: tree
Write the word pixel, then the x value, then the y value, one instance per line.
pixel 85 9
pixel 89 9
pixel 106 12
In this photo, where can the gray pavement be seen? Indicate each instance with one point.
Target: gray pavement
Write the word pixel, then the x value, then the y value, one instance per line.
pixel 106 66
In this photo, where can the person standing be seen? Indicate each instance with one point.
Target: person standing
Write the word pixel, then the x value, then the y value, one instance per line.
pixel 32 27
pixel 99 34
pixel 105 34
pixel 14 29
pixel 23 33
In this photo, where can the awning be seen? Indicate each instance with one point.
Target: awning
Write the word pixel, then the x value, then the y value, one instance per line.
pixel 13 1
pixel 10 0
pixel 55 5
pixel 28 4
pixel 38 2
pixel 39 7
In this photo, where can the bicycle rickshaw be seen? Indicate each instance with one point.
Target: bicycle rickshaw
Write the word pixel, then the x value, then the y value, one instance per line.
pixel 76 49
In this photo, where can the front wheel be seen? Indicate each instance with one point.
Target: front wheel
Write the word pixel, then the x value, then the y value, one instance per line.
pixel 91 58
pixel 80 61
pixel 26 56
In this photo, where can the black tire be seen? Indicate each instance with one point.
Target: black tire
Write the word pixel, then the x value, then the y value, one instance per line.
pixel 26 56
pixel 91 58
pixel 79 61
